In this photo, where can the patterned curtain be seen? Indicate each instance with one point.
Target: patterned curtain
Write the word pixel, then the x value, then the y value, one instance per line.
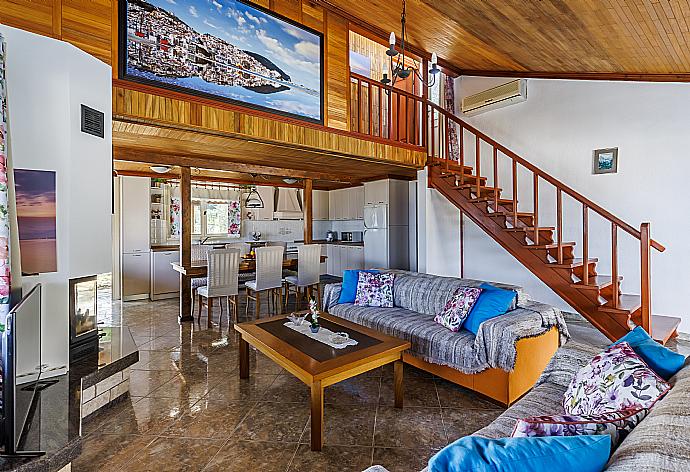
pixel 4 201
pixel 175 216
pixel 449 105
pixel 234 218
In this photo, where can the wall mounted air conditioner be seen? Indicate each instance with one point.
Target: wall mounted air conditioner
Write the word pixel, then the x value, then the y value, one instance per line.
pixel 496 97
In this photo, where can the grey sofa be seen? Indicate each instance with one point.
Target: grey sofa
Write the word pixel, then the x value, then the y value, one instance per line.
pixel 462 357
pixel 660 443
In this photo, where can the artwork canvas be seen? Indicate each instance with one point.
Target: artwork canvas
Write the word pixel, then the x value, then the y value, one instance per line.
pixel 36 218
pixel 605 161
pixel 224 49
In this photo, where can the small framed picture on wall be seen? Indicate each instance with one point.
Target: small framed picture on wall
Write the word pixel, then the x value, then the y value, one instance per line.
pixel 605 161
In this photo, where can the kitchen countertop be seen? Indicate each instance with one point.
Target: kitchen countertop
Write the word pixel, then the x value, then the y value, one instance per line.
pixel 338 243
pixel 169 247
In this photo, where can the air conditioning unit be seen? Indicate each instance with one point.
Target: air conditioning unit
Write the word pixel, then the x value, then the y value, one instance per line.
pixel 496 97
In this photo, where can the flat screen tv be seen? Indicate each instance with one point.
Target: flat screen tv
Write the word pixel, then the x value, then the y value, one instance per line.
pixel 225 50
pixel 21 375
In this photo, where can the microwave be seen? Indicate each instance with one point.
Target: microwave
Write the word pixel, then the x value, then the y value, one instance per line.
pixel 352 236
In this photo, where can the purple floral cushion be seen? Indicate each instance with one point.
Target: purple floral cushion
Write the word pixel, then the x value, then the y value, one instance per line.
pixel 375 289
pixel 616 424
pixel 458 307
pixel 617 379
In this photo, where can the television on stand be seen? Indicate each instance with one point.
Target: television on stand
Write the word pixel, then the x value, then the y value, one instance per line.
pixel 21 375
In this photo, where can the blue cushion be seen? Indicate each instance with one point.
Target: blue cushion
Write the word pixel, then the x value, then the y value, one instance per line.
pixel 660 359
pixel 493 302
pixel 348 291
pixel 561 453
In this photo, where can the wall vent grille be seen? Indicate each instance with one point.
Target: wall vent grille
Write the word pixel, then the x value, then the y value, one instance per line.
pixel 92 121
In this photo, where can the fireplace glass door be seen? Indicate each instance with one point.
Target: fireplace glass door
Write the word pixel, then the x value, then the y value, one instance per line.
pixel 83 317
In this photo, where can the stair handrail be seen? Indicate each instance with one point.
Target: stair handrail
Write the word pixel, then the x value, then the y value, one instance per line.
pixel 554 181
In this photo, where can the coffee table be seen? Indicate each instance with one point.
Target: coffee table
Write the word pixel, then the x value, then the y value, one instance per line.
pixel 317 364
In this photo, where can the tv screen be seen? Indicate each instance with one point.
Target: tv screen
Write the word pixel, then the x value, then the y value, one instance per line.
pixel 224 49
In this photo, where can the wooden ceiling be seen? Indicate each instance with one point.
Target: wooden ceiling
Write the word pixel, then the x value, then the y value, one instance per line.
pixel 144 144
pixel 608 39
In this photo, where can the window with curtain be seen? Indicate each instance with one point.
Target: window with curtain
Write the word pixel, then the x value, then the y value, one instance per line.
pixel 215 213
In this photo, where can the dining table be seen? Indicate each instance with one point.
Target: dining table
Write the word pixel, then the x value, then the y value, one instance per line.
pixel 200 268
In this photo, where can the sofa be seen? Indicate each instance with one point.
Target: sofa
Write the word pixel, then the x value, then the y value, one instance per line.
pixel 504 359
pixel 660 443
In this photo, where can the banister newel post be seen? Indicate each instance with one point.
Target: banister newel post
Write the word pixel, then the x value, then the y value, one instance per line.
pixel 646 277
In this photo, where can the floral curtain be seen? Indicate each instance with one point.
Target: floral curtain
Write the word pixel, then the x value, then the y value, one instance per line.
pixel 234 218
pixel 449 106
pixel 175 216
pixel 4 201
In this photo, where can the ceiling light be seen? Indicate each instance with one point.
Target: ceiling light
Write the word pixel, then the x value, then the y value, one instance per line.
pixel 254 199
pixel 290 180
pixel 160 169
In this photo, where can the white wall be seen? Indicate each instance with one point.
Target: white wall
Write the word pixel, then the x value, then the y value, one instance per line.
pixel 557 129
pixel 47 81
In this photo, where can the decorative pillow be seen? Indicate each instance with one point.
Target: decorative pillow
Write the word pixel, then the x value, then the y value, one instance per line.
pixel 472 453
pixel 375 290
pixel 660 359
pixel 616 424
pixel 348 290
pixel 617 379
pixel 492 302
pixel 458 307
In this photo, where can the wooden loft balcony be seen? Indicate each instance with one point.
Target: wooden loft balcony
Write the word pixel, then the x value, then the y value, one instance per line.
pixel 163 127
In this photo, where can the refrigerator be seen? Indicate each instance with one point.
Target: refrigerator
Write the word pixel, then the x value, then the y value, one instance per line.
pixel 385 244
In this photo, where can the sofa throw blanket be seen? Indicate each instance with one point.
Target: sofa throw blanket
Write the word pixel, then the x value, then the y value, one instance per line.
pixel 494 345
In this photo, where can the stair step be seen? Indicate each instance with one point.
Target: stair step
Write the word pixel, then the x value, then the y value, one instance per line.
pixel 526 229
pixel 596 282
pixel 549 246
pixel 451 167
pixel 627 303
pixel 664 328
pixel 573 263
pixel 468 178
pixel 520 214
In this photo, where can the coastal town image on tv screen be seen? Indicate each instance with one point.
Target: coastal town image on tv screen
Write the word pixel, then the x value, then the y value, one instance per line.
pixel 225 49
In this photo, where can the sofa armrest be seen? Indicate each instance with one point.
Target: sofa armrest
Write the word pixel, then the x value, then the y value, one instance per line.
pixel 331 295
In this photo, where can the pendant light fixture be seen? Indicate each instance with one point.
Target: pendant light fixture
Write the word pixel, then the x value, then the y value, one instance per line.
pixel 253 200
pixel 398 70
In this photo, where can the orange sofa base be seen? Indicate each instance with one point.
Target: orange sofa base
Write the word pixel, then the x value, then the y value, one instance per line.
pixel 533 354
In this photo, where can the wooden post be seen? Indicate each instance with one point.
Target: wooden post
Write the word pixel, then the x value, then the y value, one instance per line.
pixel 308 211
pixel 186 244
pixel 646 277
pixel 585 244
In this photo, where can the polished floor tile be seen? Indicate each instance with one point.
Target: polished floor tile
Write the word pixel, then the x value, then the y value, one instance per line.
pixel 109 452
pixel 410 427
pixel 268 421
pixel 331 459
pixel 209 419
pixel 461 422
pixel 246 456
pixel 397 459
pixel 175 455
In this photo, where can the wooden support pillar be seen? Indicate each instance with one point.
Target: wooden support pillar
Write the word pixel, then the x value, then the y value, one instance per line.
pixel 186 244
pixel 308 211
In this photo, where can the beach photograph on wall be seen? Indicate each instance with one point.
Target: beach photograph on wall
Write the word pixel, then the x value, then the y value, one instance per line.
pixel 224 49
pixel 36 218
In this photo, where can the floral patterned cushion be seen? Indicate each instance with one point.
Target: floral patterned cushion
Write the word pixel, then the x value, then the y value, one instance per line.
pixel 617 379
pixel 616 424
pixel 458 307
pixel 375 289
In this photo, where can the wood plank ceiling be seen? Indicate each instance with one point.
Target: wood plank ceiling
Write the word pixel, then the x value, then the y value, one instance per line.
pixel 615 39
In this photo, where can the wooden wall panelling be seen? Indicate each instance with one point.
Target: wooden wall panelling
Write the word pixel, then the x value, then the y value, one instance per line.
pixel 288 8
pixel 337 72
pixel 312 15
pixel 38 16
pixel 87 25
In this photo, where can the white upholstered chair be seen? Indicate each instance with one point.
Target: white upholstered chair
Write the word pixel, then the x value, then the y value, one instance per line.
pixel 269 278
pixel 199 254
pixel 244 248
pixel 223 268
pixel 308 274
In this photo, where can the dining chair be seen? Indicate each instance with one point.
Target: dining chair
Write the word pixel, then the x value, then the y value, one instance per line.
pixel 282 244
pixel 223 269
pixel 199 254
pixel 269 278
pixel 308 274
pixel 245 248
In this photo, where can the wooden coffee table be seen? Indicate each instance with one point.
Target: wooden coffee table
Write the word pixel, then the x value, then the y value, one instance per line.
pixel 319 365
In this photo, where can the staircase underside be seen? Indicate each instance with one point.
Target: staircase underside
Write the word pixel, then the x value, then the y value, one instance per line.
pixel 516 233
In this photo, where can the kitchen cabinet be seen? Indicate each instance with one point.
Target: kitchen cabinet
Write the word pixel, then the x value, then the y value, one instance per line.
pixel 323 268
pixel 165 281
pixel 135 218
pixel 346 204
pixel 376 192
pixel 320 205
pixel 344 257
pixel 135 276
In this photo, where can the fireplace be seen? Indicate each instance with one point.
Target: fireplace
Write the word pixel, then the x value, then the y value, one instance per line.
pixel 83 318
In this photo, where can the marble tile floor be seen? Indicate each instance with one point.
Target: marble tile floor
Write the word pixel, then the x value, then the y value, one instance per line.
pixel 189 411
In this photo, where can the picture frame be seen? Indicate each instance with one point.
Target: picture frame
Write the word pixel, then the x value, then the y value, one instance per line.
pixel 605 161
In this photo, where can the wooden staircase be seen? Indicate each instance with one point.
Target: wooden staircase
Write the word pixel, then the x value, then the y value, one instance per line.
pixel 559 264
pixel 458 171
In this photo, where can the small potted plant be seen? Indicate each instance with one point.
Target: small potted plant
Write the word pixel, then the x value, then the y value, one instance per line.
pixel 313 310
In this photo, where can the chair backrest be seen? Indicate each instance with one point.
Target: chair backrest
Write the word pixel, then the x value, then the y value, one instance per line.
pixel 308 264
pixel 282 244
pixel 223 270
pixel 244 248
pixel 199 252
pixel 269 267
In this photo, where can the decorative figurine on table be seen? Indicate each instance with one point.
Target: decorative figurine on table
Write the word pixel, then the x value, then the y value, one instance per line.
pixel 314 311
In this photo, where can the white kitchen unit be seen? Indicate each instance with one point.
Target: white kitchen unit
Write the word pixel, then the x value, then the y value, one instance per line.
pixel 165 281
pixel 135 229
pixel 323 268
pixel 343 257
pixel 320 202
pixel 386 230
pixel 346 204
